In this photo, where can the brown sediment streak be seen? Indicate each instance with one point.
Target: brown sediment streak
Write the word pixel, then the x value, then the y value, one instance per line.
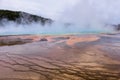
pixel 45 68
pixel 34 37
pixel 61 62
pixel 75 39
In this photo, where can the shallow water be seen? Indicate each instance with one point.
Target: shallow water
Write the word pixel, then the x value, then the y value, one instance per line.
pixel 55 29
pixel 39 32
pixel 96 59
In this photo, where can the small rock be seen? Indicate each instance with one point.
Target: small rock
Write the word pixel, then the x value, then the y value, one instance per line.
pixel 43 39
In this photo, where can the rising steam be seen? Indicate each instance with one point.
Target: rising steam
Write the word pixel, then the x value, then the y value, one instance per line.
pixel 87 16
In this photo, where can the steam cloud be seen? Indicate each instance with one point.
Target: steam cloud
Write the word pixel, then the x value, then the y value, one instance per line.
pixel 94 14
pixel 85 16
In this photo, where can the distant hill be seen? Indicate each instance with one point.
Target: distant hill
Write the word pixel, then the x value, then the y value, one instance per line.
pixel 22 17
pixel 116 27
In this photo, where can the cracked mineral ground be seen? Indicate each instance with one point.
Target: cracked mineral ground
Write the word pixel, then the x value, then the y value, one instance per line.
pixel 62 57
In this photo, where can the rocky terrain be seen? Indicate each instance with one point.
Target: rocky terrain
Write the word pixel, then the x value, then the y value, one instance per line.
pixel 65 57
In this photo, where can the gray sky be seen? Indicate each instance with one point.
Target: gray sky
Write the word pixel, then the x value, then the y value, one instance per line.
pixel 84 11
pixel 48 8
pixel 94 12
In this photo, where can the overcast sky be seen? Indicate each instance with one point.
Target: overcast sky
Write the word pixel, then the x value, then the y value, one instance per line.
pixel 80 10
pixel 48 8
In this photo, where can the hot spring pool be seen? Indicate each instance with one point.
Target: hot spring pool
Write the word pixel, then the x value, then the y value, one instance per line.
pixel 50 30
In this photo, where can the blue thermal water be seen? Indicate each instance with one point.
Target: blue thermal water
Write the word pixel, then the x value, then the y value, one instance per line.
pixel 57 32
pixel 13 29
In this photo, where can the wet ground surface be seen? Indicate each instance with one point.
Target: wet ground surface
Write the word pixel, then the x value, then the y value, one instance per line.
pixel 70 57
